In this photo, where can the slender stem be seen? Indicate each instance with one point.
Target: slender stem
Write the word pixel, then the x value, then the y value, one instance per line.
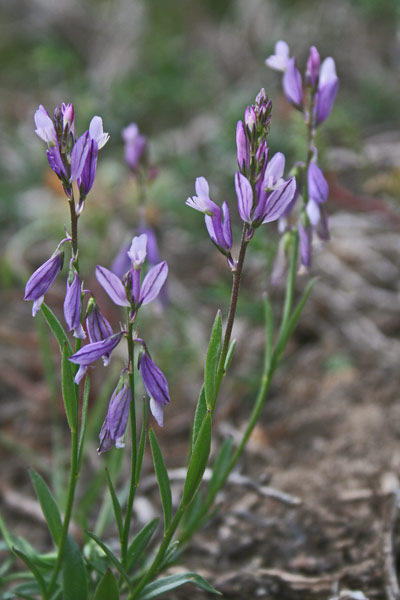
pixel 74 229
pixel 133 483
pixel 237 273
pixel 73 478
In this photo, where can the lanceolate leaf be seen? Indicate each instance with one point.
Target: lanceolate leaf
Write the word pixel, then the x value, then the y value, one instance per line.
pixel 75 585
pixel 201 411
pixel 213 353
pixel 56 328
pixel 34 569
pixel 116 505
pixel 229 356
pixel 84 413
pixel 69 391
pixel 198 461
pixel 162 478
pixel 107 588
pixel 166 584
pixel 220 467
pixel 112 558
pixel 139 543
pixel 48 505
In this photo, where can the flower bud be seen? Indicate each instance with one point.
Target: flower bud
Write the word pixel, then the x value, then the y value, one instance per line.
pixel 243 147
pixel 42 279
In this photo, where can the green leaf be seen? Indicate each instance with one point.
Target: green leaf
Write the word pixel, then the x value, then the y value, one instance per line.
pixel 56 328
pixel 116 505
pixel 69 390
pixel 171 555
pixel 220 467
pixel 192 513
pixel 107 588
pixel 212 357
pixel 166 584
pixel 291 324
pixel 48 505
pixel 198 461
pixel 201 411
pixel 140 542
pixel 75 585
pixel 229 356
pixel 34 570
pixel 142 445
pixel 162 478
pixel 112 558
pixel 84 413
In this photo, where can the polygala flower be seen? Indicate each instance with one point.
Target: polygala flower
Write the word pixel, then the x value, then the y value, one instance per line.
pixel 73 305
pixel 92 352
pixel 98 327
pixel 155 385
pixel 114 426
pixel 218 222
pixel 135 145
pixel 42 279
pixel 280 59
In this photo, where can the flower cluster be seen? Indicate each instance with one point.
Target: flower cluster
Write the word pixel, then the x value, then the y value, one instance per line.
pixel 263 194
pixel 130 292
pixel 71 159
pixel 315 102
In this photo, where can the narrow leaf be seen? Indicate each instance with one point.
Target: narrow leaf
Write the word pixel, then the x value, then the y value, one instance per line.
pixel 34 570
pixel 84 418
pixel 220 467
pixel 111 556
pixel 56 328
pixel 162 478
pixel 166 584
pixel 48 505
pixel 116 505
pixel 139 543
pixel 198 461
pixel 291 324
pixel 212 357
pixel 269 331
pixel 142 445
pixel 107 588
pixel 69 390
pixel 75 586
pixel 201 411
pixel 229 356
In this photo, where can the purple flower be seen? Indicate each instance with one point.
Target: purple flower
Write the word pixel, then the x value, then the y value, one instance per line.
pixel 327 89
pixel 98 327
pixel 292 85
pixel 135 145
pixel 114 426
pixel 313 67
pixel 79 155
pixel 305 240
pixel 112 285
pixel 96 132
pixel 153 255
pixel 271 205
pixel 155 385
pixel 138 251
pixel 42 279
pixel 220 231
pixel 92 352
pixel 318 188
pixel 280 59
pixel 89 170
pixel 56 163
pixel 121 262
pixel 45 127
pixel 73 306
pixel 202 202
pixel 243 147
pixel 68 115
pixel 140 293
pixel 244 193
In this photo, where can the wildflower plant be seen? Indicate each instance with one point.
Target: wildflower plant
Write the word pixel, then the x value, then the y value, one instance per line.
pixel 265 193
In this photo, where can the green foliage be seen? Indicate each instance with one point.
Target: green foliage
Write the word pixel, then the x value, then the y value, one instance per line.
pixel 198 461
pixel 107 588
pixel 212 358
pixel 74 576
pixel 162 478
pixel 166 584
pixel 48 505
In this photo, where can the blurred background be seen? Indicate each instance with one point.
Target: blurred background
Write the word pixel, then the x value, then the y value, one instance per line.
pixel 184 72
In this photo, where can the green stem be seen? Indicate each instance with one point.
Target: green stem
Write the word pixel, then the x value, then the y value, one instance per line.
pixel 133 482
pixel 237 274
